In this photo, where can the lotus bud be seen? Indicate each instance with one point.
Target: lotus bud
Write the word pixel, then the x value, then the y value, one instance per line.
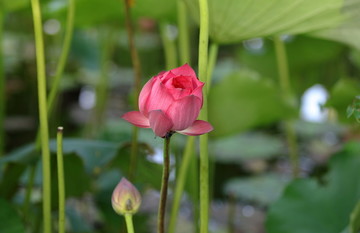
pixel 126 198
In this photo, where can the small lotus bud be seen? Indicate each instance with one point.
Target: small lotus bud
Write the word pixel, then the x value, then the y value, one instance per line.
pixel 126 198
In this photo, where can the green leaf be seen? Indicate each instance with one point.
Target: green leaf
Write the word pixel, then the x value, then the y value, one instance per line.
pixel 348 32
pixel 243 100
pixel 263 189
pixel 10 221
pixel 342 95
pixel 307 206
pixel 14 5
pixel 355 219
pixel 245 146
pixel 113 11
pixel 77 181
pixel 235 20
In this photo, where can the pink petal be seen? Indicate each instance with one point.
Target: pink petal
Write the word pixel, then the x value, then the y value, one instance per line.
pixel 137 119
pixel 199 127
pixel 160 123
pixel 159 98
pixel 144 96
pixel 183 112
pixel 198 92
pixel 184 70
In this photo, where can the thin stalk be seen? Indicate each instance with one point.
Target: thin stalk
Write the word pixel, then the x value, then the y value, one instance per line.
pixel 133 152
pixel 137 83
pixel 54 90
pixel 184 39
pixel 44 131
pixel 284 82
pixel 107 45
pixel 129 223
pixel 28 190
pixel 2 85
pixel 61 180
pixel 180 182
pixel 204 154
pixel 169 46
pixel 69 28
pixel 164 186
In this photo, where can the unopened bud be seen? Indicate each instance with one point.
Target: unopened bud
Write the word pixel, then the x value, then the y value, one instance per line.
pixel 126 198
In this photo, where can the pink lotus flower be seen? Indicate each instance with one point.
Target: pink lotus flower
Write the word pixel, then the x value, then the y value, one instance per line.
pixel 170 102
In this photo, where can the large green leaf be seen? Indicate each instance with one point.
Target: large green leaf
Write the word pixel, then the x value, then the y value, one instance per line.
pixel 347 32
pixel 10 221
pixel 243 100
pixel 355 219
pixel 235 20
pixel 307 206
pixel 92 12
pixel 245 146
pixel 263 189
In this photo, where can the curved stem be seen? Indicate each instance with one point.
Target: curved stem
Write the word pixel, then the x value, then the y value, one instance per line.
pixel 164 186
pixel 44 131
pixel 169 46
pixel 2 85
pixel 63 56
pixel 61 180
pixel 129 223
pixel 204 155
pixel 137 84
pixel 284 82
pixel 180 182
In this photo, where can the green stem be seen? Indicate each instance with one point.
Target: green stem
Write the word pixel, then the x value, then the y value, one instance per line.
pixel 53 91
pixel 284 81
pixel 69 28
pixel 133 153
pixel 164 186
pixel 44 131
pixel 2 85
pixel 61 180
pixel 184 39
pixel 180 182
pixel 204 155
pixel 169 46
pixel 137 83
pixel 129 223
pixel 107 47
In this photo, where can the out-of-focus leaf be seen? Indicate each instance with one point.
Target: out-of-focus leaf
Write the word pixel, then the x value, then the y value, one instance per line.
pixel 243 100
pixel 9 183
pixel 306 205
pixel 146 172
pixel 347 32
pixel 94 153
pixel 14 5
pixel 263 189
pixel 234 20
pixel 310 61
pixel 245 146
pixel 10 221
pixel 77 181
pixel 76 221
pixel 92 12
pixel 355 219
pixel 309 130
pixel 342 95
